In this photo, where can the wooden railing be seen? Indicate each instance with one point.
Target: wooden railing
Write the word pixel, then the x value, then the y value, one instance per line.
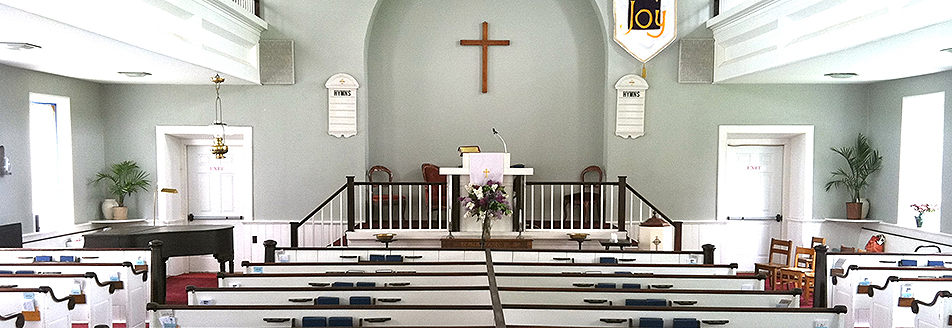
pixel 537 206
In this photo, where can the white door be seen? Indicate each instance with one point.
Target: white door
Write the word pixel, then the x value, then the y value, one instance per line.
pixel 215 193
pixel 755 182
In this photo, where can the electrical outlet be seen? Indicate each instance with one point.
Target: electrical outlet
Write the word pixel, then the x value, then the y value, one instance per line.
pixel 254 239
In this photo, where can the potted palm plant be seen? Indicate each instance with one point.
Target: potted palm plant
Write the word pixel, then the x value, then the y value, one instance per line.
pixel 862 160
pixel 124 179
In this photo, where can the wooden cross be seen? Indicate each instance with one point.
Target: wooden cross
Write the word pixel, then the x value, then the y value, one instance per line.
pixel 485 42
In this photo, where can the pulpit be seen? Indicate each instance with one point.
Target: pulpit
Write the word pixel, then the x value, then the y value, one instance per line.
pixel 488 165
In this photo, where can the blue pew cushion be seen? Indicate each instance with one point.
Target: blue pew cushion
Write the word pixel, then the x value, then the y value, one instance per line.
pixel 636 302
pixel 605 285
pixel 936 264
pixel 67 258
pixel 342 284
pixel 366 284
pixel 25 272
pixel 394 258
pixel 360 300
pixel 622 272
pixel 340 322
pixel 656 302
pixel 608 260
pixel 314 322
pixel 327 300
pixel 6 272
pixel 651 322
pixel 908 263
pixel 686 323
pixel 43 258
pixel 631 286
pixel 377 258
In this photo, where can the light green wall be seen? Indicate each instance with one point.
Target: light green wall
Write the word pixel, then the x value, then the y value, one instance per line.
pixel 885 109
pixel 674 164
pixel 87 131
pixel 544 88
pixel 296 163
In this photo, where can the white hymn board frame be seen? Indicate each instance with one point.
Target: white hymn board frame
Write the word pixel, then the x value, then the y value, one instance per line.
pixel 342 105
pixel 630 106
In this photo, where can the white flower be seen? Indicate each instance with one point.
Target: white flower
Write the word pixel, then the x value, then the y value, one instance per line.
pixel 495 186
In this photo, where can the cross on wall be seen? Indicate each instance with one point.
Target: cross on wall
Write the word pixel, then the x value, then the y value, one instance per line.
pixel 485 42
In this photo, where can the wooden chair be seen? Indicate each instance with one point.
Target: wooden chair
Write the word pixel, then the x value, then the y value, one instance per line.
pixel 587 197
pixel 801 274
pixel 847 249
pixel 435 196
pixel 380 195
pixel 777 258
pixel 817 241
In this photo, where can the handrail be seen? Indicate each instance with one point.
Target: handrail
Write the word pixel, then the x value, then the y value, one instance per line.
pixel 844 274
pixel 927 246
pixel 941 293
pixel 70 301
pixel 320 207
pixel 112 287
pixel 872 288
pixel 653 208
pixel 18 316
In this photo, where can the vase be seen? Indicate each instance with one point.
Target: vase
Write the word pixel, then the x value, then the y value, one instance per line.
pixel 865 208
pixel 107 206
pixel 919 221
pixel 487 226
pixel 120 213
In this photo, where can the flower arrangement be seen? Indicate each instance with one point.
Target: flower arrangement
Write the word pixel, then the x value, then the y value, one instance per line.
pixel 921 208
pixel 486 203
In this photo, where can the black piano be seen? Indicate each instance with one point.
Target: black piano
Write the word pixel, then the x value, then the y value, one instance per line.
pixel 169 241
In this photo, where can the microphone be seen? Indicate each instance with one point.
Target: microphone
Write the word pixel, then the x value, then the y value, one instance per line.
pixel 504 148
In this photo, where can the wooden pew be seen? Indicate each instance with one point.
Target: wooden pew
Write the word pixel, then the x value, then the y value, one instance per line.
pixel 667 268
pixel 273 253
pixel 371 267
pixel 417 296
pixel 846 287
pixel 839 264
pixel 419 279
pixel 936 313
pixel 84 255
pixel 890 309
pixel 630 316
pixel 566 280
pixel 132 291
pixel 196 316
pixel 94 306
pixel 49 310
pixel 674 297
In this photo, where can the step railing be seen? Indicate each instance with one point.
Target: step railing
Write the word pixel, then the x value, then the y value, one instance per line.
pixel 537 206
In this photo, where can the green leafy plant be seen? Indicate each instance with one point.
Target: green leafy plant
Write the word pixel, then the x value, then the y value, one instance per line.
pixel 862 160
pixel 126 178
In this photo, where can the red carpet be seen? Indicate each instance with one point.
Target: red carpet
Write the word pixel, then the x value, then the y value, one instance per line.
pixel 175 285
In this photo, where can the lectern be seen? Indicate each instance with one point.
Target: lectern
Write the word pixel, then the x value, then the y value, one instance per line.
pixel 460 177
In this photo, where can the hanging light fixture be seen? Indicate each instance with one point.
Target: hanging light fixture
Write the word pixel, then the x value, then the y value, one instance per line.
pixel 218 148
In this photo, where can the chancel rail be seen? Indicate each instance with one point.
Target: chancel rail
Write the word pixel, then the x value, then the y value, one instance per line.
pixel 537 206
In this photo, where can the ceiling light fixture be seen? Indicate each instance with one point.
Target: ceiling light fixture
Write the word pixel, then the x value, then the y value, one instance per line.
pixel 135 74
pixel 840 75
pixel 19 46
pixel 219 149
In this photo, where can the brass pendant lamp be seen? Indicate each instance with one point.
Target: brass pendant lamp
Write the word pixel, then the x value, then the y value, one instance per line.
pixel 219 149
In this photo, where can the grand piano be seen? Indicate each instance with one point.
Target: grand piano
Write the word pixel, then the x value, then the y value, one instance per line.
pixel 169 241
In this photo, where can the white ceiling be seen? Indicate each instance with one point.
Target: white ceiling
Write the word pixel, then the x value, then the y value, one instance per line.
pixel 77 53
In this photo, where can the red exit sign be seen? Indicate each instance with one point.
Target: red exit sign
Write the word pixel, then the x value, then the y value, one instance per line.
pixel 216 168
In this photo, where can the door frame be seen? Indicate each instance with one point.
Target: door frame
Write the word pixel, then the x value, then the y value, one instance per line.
pixel 797 164
pixel 172 170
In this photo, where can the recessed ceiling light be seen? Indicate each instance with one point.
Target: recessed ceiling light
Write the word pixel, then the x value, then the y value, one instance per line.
pixel 19 45
pixel 840 75
pixel 135 74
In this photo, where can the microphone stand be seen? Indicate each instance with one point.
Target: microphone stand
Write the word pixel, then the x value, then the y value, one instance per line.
pixel 504 148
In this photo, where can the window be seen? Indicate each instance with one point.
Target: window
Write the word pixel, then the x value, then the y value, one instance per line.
pixel 920 158
pixel 51 162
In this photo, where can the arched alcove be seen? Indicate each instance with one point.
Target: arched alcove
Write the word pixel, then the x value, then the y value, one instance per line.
pixel 546 89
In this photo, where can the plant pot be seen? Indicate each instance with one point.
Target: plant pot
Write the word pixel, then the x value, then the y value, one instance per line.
pixel 854 211
pixel 120 213
pixel 107 206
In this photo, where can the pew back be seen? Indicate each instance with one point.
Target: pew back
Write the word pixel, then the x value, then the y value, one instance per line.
pixel 416 296
pixel 624 316
pixel 889 310
pixel 567 280
pixel 363 267
pixel 52 312
pixel 85 255
pixel 97 308
pixel 680 297
pixel 419 279
pixel 188 316
pixel 525 267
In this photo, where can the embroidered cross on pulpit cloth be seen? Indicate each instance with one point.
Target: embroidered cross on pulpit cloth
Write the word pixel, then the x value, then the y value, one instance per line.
pixel 486 166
